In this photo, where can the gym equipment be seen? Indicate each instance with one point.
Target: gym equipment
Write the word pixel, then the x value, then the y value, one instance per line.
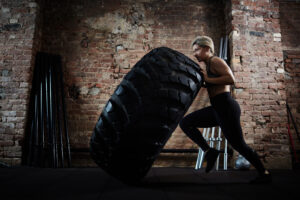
pixel 209 136
pixel 45 138
pixel 143 112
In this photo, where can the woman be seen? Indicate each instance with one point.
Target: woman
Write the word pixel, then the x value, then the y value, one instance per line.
pixel 224 110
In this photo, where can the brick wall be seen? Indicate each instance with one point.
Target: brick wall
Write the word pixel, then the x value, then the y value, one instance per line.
pixel 17 30
pixel 100 41
pixel 290 30
pixel 290 25
pixel 257 62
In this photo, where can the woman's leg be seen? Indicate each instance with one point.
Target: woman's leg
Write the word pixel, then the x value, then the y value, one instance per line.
pixel 203 118
pixel 229 115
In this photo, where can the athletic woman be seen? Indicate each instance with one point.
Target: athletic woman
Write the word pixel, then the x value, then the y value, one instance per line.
pixel 224 110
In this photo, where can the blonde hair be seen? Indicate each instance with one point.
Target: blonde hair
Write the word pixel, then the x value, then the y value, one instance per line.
pixel 204 41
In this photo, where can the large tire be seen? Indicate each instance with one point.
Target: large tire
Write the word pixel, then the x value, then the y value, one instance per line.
pixel 143 112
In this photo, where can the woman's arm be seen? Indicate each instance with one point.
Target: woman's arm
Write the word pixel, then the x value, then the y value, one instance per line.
pixel 219 67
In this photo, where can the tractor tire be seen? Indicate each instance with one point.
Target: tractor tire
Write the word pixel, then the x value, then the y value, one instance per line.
pixel 143 112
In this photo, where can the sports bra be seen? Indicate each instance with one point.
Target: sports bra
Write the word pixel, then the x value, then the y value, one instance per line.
pixel 209 73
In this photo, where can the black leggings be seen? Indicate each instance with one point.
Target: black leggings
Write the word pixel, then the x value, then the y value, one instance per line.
pixel 224 112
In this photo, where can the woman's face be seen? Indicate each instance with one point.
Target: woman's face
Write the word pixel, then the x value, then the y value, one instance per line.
pixel 199 52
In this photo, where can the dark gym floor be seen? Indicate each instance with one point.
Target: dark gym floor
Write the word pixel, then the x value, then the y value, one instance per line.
pixel 160 184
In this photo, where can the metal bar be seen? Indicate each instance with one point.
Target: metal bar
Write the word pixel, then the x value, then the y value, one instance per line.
pixel 198 158
pixel 64 113
pixel 53 109
pixel 48 103
pixel 37 117
pixel 34 132
pixel 212 137
pixel 221 48
pixel 59 110
pixel 207 134
pixel 225 48
pixel 52 121
pixel 42 110
pixel 219 139
pixel 225 155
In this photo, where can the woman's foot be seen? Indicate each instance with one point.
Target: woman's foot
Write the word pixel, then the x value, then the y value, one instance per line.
pixel 262 178
pixel 211 157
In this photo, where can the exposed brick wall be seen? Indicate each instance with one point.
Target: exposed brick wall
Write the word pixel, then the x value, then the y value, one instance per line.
pixel 17 26
pixel 257 62
pixel 100 41
pixel 290 31
pixel 290 25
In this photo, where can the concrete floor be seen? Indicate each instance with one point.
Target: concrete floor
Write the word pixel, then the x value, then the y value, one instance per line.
pixel 160 184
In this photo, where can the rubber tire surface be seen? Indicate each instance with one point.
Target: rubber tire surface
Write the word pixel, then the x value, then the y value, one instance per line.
pixel 143 112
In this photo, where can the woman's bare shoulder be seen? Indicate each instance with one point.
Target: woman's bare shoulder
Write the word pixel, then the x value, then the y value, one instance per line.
pixel 218 65
pixel 217 60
